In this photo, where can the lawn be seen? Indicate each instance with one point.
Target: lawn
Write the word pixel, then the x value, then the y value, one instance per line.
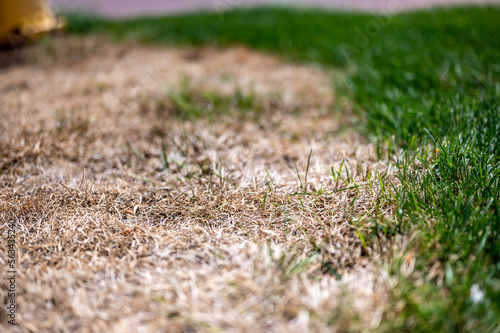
pixel 417 207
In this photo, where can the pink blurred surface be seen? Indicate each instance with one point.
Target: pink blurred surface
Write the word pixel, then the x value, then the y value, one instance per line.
pixel 127 8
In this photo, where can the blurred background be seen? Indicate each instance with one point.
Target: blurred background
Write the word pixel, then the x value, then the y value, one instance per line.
pixel 127 8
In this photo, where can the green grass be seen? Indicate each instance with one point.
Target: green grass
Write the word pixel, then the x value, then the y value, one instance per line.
pixel 426 86
pixel 189 104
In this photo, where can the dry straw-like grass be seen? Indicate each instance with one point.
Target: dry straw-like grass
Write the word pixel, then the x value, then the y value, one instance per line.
pixel 133 218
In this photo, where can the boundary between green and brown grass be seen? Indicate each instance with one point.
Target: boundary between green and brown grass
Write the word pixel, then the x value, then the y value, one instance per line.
pixel 426 87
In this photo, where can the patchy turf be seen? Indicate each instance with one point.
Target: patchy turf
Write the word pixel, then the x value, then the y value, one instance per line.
pixel 146 200
pixel 191 148
pixel 425 85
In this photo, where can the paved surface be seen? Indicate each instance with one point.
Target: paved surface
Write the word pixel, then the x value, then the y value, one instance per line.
pixel 125 8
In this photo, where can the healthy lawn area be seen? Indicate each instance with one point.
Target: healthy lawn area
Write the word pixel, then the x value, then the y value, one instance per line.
pixel 425 86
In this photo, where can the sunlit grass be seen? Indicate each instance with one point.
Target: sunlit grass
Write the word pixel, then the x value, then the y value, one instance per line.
pixel 426 87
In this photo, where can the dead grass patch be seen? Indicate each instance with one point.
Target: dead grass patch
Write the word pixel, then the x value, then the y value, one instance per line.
pixel 132 221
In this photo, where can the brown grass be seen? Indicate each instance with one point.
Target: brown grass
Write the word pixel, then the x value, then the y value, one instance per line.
pixel 113 238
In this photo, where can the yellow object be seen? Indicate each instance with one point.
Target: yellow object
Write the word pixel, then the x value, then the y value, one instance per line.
pixel 25 19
